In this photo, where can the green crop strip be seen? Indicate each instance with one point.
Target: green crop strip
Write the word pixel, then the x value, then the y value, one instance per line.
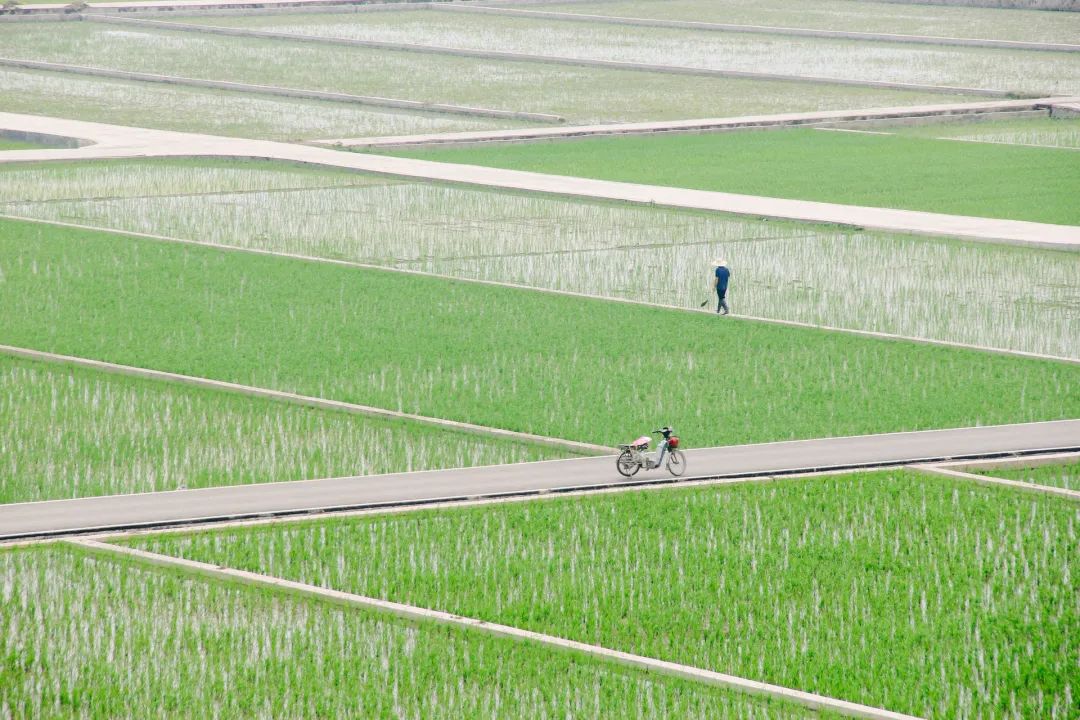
pixel 936 288
pixel 1050 132
pixel 145 179
pixel 587 370
pixel 955 19
pixel 1043 73
pixel 67 432
pixel 983 180
pixel 580 94
pixel 91 638
pixel 215 112
pixel 1066 475
pixel 926 596
pixel 6 144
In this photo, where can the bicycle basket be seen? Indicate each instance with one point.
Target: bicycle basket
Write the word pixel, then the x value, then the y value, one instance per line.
pixel 673 442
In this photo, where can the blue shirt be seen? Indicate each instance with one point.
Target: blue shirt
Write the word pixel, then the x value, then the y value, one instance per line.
pixel 722 275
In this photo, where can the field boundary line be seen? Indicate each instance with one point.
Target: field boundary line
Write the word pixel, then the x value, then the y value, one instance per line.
pixel 544 59
pixel 760 29
pixel 553 291
pixel 423 615
pixel 276 91
pixel 1009 463
pixel 1004 142
pixel 1073 495
pixel 818 118
pixel 303 400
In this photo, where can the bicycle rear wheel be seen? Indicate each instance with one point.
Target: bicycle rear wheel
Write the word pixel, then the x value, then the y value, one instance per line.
pixel 626 464
pixel 676 463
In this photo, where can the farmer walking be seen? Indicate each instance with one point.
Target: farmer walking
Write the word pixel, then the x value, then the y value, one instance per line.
pixel 720 283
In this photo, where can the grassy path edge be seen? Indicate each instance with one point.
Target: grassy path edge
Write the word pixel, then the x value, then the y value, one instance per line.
pixel 413 613
pixel 304 400
pixel 1073 495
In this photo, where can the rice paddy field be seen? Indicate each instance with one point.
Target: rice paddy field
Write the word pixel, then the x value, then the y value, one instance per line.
pixel 569 245
pixel 68 432
pixel 878 17
pixel 1038 74
pixel 515 359
pixel 171 107
pixel 91 638
pixel 930 596
pixel 1015 182
pixel 922 595
pixel 1065 475
pixel 579 94
pixel 1046 132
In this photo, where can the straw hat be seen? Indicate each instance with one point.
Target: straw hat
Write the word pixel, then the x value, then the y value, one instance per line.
pixel 719 263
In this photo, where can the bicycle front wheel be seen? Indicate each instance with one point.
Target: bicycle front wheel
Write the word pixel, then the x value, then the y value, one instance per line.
pixel 626 464
pixel 676 463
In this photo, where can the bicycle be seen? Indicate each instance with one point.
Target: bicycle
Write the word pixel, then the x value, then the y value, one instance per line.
pixel 633 457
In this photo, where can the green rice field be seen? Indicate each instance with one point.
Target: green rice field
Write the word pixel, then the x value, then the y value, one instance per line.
pixel 927 596
pixel 1047 132
pixel 911 173
pixel 553 365
pixel 561 244
pixel 199 110
pixel 879 17
pixel 579 94
pixel 592 321
pixel 68 432
pixel 92 638
pixel 1065 475
pixel 1036 73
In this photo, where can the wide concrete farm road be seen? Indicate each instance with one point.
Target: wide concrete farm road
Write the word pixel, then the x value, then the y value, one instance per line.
pixel 60 517
pixel 115 141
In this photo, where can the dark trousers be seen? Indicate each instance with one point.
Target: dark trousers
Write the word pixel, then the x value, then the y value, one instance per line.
pixel 722 306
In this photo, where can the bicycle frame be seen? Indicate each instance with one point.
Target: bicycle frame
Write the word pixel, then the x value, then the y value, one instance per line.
pixel 635 456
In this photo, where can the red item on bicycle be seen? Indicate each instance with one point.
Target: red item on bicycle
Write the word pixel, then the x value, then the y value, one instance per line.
pixel 673 442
